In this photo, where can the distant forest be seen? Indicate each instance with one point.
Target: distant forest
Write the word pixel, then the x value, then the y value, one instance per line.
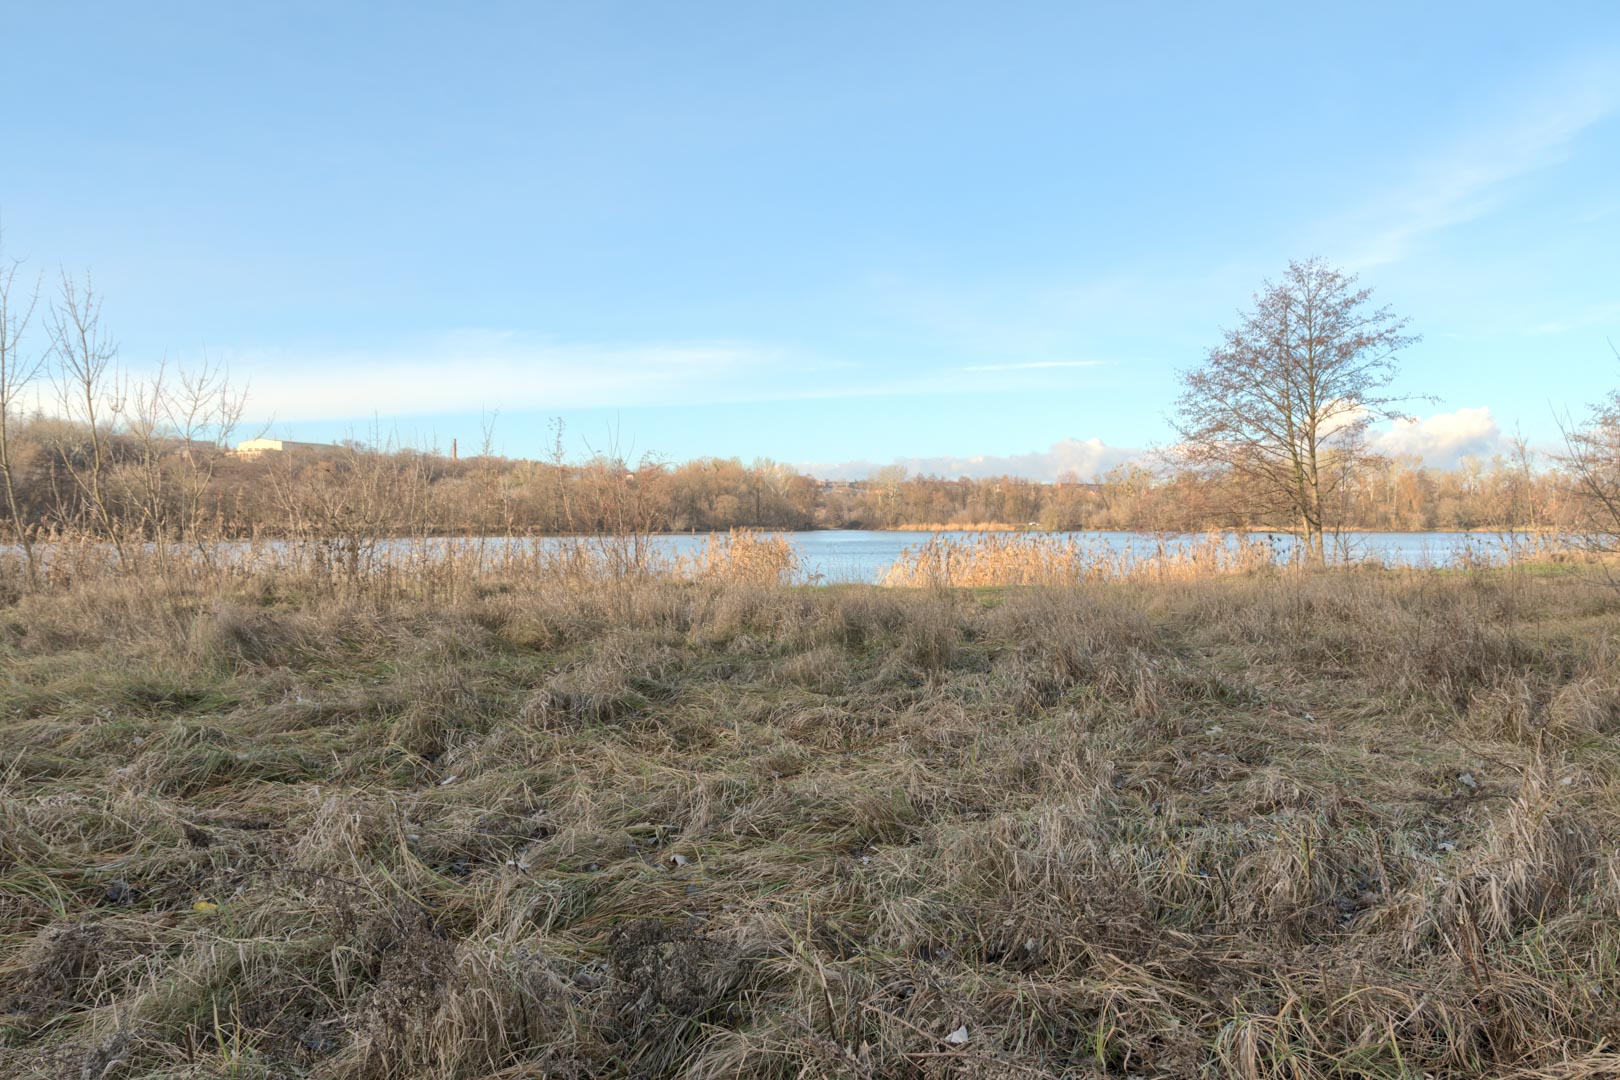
pixel 155 485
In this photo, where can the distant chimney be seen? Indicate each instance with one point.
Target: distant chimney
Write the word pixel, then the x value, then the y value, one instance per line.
pixel 452 450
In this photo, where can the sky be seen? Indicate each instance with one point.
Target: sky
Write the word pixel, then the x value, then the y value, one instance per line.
pixel 972 239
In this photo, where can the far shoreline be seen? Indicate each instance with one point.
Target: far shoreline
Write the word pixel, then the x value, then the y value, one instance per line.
pixel 1491 530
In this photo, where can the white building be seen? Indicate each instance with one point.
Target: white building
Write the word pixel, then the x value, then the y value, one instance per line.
pixel 252 448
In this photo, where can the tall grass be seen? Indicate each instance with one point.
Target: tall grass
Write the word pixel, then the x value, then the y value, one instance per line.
pixel 988 559
pixel 447 567
pixel 742 556
pixel 992 558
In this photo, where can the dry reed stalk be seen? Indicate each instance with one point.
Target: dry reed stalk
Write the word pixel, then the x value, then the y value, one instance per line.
pixel 999 559
pixel 743 557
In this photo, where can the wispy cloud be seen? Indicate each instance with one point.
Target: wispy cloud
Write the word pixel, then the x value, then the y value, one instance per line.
pixel 481 369
pixel 484 369
pixel 1036 365
pixel 1440 440
pixel 1602 315
pixel 1473 174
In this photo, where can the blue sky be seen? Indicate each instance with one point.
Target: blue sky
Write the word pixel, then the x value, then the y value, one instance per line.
pixel 970 237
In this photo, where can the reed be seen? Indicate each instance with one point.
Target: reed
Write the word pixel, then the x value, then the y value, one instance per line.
pixel 741 557
pixel 989 559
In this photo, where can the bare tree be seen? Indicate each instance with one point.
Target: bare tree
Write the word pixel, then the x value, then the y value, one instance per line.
pixel 344 505
pixel 90 394
pixel 889 482
pixel 1591 458
pixel 1283 403
pixel 561 516
pixel 177 423
pixel 203 410
pixel 142 481
pixel 17 371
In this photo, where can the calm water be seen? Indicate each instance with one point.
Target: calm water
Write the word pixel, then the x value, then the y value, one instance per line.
pixel 862 556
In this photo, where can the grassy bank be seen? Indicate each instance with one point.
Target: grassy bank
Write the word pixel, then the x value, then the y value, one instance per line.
pixel 1348 825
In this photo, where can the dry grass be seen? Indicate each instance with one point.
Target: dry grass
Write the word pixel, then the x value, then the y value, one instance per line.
pixel 380 567
pixel 742 557
pixel 989 559
pixel 1338 825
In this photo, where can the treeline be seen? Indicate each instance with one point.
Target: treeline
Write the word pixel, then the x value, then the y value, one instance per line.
pixel 1503 492
pixel 136 485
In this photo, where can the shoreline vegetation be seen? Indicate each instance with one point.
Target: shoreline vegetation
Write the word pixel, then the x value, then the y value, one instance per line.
pixel 141 478
pixel 1279 530
pixel 361 563
pixel 598 816
pixel 164 483
pixel 64 479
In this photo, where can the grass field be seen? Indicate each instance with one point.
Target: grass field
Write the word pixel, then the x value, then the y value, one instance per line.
pixel 1356 824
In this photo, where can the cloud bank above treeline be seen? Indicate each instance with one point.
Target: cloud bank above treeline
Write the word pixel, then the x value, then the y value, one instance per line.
pixel 1439 441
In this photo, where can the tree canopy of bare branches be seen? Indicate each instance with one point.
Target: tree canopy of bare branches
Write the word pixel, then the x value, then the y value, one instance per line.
pixel 1592 460
pixel 17 370
pixel 1282 405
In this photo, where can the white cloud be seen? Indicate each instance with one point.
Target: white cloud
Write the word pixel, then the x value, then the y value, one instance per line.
pixel 478 369
pixel 1439 441
pixel 1442 440
pixel 1083 457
